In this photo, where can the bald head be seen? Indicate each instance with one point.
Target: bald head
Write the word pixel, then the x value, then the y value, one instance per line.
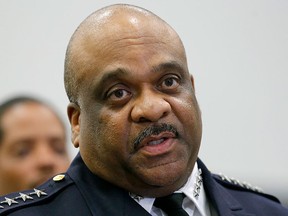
pixel 108 27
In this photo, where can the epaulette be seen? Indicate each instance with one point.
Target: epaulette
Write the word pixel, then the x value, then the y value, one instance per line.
pixel 13 201
pixel 237 183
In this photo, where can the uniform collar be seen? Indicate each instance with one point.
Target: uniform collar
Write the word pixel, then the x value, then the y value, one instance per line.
pixel 193 189
pixel 221 200
pixel 100 195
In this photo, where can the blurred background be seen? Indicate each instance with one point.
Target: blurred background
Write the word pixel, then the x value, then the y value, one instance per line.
pixel 237 52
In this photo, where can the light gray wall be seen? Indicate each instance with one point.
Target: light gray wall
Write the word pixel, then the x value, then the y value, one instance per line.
pixel 237 52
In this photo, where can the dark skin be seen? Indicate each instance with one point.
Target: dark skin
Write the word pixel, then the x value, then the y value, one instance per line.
pixel 134 77
pixel 33 148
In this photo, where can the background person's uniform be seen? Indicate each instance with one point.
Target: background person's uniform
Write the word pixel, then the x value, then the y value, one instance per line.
pixel 80 192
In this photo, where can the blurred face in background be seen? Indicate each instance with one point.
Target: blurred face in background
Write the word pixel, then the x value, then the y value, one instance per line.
pixel 33 147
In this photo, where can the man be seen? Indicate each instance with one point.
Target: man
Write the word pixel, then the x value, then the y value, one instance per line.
pixel 32 144
pixel 135 118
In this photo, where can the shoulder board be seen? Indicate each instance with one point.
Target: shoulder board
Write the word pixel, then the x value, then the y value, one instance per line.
pixel 241 185
pixel 26 198
pixel 235 182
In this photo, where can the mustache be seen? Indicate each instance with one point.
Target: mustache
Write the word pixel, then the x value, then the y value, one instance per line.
pixel 154 130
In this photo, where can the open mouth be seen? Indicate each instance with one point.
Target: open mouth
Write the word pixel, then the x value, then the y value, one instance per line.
pixel 155 135
pixel 157 143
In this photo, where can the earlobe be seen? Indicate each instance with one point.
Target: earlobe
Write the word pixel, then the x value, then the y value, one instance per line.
pixel 73 112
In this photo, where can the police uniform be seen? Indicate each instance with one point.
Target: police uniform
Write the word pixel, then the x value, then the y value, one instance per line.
pixel 80 192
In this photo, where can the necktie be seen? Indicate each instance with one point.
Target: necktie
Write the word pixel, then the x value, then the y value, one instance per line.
pixel 171 204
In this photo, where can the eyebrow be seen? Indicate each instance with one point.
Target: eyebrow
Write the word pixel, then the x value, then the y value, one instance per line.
pixel 121 72
pixel 107 77
pixel 168 65
pixel 114 74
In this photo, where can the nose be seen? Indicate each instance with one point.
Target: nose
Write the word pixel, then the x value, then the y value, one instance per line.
pixel 45 159
pixel 150 107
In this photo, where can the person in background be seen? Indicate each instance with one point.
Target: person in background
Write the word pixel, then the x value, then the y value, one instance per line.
pixel 136 120
pixel 32 144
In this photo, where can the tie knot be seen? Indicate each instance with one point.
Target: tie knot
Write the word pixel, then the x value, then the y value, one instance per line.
pixel 171 204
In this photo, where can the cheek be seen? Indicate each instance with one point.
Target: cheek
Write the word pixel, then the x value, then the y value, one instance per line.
pixel 104 146
pixel 105 138
pixel 188 114
pixel 114 132
pixel 187 110
pixel 15 180
pixel 61 164
pixel 15 173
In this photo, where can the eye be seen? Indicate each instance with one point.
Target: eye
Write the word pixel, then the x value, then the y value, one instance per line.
pixel 22 151
pixel 170 83
pixel 58 146
pixel 118 94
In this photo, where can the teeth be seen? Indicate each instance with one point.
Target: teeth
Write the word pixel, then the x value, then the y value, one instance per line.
pixel 155 142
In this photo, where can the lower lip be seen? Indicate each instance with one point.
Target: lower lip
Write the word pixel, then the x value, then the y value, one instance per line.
pixel 160 148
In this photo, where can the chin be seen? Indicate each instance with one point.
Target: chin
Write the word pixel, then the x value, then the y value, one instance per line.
pixel 165 181
pixel 161 188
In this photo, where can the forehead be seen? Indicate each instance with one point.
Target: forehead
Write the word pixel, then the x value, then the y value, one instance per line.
pixel 117 23
pixel 96 41
pixel 28 114
pixel 135 58
pixel 122 40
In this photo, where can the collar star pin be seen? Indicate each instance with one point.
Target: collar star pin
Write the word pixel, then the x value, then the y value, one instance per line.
pixel 198 184
pixel 24 197
pixel 9 201
pixel 39 193
pixel 136 197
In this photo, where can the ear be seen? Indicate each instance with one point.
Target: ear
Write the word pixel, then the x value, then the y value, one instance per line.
pixel 74 111
pixel 192 81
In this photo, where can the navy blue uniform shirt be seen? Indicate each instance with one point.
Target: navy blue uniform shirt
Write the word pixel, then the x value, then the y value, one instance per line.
pixel 81 193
